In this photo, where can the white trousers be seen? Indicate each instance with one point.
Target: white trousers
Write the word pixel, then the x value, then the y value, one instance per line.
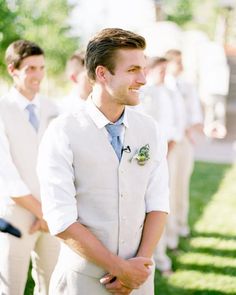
pixel 180 162
pixel 15 255
pixel 71 282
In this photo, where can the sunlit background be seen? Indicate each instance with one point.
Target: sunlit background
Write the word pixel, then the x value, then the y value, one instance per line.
pixel 205 31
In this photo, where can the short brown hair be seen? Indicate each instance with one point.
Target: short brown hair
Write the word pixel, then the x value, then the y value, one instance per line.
pixel 78 56
pixel 155 61
pixel 172 54
pixel 102 48
pixel 75 63
pixel 20 49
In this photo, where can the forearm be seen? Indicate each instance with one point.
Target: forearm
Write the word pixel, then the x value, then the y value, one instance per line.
pixel 30 203
pixel 83 242
pixel 131 273
pixel 152 231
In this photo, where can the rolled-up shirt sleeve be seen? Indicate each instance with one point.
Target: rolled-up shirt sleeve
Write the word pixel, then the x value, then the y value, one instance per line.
pixel 56 177
pixel 157 193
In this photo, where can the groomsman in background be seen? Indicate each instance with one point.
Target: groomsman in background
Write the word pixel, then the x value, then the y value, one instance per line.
pixel 24 116
pixel 79 82
pixel 181 159
pixel 158 101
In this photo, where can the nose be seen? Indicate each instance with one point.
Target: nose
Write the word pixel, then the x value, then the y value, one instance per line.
pixel 39 74
pixel 142 78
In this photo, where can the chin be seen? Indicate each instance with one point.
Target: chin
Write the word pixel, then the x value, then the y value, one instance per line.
pixel 133 102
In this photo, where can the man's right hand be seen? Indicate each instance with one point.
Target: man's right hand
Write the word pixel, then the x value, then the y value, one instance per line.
pixel 134 272
pixel 38 225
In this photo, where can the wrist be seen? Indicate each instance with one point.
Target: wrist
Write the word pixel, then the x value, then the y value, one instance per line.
pixel 117 266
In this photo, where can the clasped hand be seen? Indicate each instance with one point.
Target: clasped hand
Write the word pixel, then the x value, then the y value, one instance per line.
pixel 39 225
pixel 134 273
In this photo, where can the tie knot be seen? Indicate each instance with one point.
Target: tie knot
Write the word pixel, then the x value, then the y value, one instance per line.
pixel 114 130
pixel 32 116
pixel 30 107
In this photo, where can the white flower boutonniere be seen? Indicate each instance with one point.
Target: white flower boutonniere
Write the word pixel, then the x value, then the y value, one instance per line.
pixel 142 155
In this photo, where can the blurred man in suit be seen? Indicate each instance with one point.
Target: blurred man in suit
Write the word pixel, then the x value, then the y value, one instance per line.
pixel 24 116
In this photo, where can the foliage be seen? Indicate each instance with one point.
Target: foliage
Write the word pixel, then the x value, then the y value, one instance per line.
pixel 44 22
pixel 194 14
pixel 7 30
pixel 180 11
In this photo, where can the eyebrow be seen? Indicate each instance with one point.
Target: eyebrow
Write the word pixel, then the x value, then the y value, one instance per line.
pixel 134 67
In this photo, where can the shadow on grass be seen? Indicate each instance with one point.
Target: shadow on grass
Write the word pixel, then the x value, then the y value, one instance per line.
pixel 212 235
pixel 205 182
pixel 214 252
pixel 209 268
pixel 163 288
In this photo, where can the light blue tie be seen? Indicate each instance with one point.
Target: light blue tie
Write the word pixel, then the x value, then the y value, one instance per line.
pixel 115 132
pixel 32 116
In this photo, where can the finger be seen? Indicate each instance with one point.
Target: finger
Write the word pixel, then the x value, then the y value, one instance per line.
pixel 146 261
pixel 34 227
pixel 114 286
pixel 106 279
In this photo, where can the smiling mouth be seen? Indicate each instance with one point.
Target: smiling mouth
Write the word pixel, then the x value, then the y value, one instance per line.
pixel 36 83
pixel 136 90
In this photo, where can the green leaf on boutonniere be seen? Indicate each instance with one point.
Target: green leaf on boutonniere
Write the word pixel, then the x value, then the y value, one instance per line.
pixel 142 155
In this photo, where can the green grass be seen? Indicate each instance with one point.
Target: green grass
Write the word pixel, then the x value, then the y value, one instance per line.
pixel 205 263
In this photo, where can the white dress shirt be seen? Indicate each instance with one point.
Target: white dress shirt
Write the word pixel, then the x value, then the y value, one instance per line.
pixel 71 103
pixel 187 101
pixel 157 101
pixel 11 183
pixel 55 151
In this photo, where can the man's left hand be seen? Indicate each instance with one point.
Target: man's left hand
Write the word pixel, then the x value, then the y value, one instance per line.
pixel 114 286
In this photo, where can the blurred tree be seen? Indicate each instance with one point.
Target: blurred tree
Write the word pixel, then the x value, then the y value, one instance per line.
pixel 192 14
pixel 44 22
pixel 179 11
pixel 7 31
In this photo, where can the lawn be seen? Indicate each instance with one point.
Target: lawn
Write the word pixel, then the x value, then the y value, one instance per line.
pixel 205 262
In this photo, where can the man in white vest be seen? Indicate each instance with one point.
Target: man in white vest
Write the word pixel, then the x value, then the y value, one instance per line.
pixel 79 82
pixel 104 178
pixel 24 116
pixel 189 121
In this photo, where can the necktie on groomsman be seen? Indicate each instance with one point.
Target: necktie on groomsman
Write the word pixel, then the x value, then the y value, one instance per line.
pixel 32 116
pixel 115 132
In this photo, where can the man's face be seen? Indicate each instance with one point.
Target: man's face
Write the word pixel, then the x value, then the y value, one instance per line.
pixel 175 67
pixel 27 78
pixel 129 75
pixel 157 74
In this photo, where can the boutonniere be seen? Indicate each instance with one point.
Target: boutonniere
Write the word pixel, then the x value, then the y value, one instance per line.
pixel 142 155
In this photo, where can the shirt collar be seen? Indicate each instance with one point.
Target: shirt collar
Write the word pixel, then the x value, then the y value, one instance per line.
pixel 21 100
pixel 98 117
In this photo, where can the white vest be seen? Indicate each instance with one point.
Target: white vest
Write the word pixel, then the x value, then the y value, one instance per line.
pixel 110 195
pixel 23 140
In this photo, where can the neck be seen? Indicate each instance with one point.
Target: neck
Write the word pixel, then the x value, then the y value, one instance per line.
pixel 111 110
pixel 27 94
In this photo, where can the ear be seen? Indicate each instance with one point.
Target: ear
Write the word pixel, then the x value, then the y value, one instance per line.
pixel 73 78
pixel 11 70
pixel 101 73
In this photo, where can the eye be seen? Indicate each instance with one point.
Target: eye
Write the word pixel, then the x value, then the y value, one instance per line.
pixel 31 68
